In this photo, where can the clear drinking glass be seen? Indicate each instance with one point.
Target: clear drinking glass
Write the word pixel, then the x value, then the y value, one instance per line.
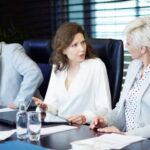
pixel 21 121
pixel 34 125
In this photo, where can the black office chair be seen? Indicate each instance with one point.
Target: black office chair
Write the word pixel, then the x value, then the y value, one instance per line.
pixel 111 53
pixel 109 50
pixel 40 51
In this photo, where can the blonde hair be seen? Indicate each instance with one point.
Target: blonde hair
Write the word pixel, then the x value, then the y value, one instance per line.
pixel 139 31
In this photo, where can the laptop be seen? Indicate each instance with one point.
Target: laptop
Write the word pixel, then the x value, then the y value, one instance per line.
pixel 7 116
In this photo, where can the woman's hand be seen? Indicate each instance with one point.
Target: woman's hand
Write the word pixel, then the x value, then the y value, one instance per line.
pixel 111 129
pixel 12 106
pixel 77 119
pixel 98 122
pixel 38 102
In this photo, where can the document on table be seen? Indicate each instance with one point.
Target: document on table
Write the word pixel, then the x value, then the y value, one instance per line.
pixel 54 129
pixel 6 134
pixel 6 109
pixel 110 141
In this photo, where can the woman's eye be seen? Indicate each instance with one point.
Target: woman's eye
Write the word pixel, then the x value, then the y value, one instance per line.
pixel 83 42
pixel 128 43
pixel 74 45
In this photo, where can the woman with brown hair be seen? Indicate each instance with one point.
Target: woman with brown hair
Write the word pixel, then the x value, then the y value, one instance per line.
pixel 78 88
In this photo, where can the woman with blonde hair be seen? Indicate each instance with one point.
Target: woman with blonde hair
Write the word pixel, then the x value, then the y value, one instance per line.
pixel 131 115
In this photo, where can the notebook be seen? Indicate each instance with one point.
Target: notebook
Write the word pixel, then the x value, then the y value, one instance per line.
pixel 53 119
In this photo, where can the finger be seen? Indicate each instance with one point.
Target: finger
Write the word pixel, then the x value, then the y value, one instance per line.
pixel 39 104
pixel 104 130
pixel 94 124
pixel 107 130
pixel 75 119
pixel 35 99
pixel 83 119
pixel 101 120
pixel 79 119
pixel 13 106
pixel 44 107
pixel 71 118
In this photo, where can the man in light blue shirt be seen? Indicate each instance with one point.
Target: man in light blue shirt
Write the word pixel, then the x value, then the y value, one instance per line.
pixel 20 77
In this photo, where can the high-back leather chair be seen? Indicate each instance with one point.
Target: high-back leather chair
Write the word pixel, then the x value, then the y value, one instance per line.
pixel 111 53
pixel 40 51
pixel 109 50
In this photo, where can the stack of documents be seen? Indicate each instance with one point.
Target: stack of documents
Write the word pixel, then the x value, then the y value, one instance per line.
pixel 6 134
pixel 55 129
pixel 6 109
pixel 108 141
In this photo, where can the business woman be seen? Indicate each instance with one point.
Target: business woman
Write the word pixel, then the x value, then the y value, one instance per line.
pixel 78 87
pixel 131 115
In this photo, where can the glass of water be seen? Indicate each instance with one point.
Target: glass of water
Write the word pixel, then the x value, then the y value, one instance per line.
pixel 34 125
pixel 21 121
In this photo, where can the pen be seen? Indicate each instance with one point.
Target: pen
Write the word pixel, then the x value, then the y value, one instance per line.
pixel 64 119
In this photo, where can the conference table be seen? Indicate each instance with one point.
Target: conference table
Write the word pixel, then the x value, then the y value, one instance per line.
pixel 62 140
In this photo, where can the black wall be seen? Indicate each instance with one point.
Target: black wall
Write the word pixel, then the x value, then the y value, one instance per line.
pixel 27 18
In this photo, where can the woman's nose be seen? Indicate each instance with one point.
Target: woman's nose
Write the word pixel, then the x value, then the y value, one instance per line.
pixel 81 47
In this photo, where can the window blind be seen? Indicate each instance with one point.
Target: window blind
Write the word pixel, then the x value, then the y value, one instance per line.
pixel 103 18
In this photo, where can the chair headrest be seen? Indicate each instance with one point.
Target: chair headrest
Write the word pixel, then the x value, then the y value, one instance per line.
pixel 107 49
pixel 111 53
pixel 38 50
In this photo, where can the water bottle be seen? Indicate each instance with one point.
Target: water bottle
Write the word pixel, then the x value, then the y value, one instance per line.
pixel 21 121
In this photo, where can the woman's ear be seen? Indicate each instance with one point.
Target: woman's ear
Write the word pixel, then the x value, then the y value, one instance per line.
pixel 64 52
pixel 143 49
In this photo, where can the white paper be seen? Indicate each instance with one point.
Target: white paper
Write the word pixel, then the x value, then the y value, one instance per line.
pixel 110 141
pixel 54 129
pixel 6 109
pixel 6 134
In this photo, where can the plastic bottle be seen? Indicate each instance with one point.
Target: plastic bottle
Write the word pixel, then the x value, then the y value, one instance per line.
pixel 21 121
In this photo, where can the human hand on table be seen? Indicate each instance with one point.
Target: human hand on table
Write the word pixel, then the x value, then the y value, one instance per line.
pixel 77 119
pixel 38 102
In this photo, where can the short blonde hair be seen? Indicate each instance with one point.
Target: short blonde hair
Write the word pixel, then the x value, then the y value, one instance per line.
pixel 139 31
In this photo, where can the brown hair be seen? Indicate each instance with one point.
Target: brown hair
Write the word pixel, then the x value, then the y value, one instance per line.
pixel 63 38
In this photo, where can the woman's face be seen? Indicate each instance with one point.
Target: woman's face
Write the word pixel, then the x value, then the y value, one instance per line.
pixel 77 49
pixel 134 51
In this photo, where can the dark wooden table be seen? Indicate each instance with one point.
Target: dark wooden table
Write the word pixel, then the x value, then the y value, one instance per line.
pixel 62 140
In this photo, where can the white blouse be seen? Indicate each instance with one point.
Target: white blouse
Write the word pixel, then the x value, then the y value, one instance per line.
pixel 88 93
pixel 131 103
